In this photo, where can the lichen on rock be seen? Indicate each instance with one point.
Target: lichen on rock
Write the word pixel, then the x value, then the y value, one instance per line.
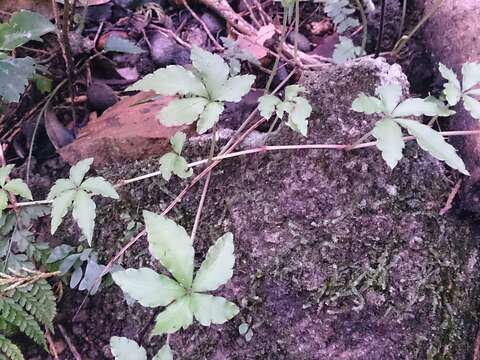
pixel 337 256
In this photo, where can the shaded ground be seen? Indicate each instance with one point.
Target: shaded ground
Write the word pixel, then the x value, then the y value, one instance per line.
pixel 337 256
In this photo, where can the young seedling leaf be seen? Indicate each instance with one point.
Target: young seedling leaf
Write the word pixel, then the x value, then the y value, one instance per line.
pixel 217 268
pixel 182 111
pixel 18 187
pixel 173 80
pixel 209 117
pixel 126 349
pixel 171 245
pixel 211 67
pixel 78 171
pixel 234 88
pixel 3 200
pixel 418 107
pixel 452 89
pixel 292 91
pixel 176 164
pixel 472 106
pixel 297 119
pixel 165 353
pixel 60 207
pixel 177 141
pixel 175 316
pixel 433 142
pixel 389 141
pixel 5 173
pixel 267 105
pixel 118 44
pixel 99 186
pixel 149 288
pixel 209 309
pixel 60 186
pixel 84 213
pixel 367 104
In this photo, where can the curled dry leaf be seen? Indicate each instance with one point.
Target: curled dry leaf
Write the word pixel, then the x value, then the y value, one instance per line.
pixel 254 43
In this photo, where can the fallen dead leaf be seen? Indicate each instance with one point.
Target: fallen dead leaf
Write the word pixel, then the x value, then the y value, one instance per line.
pixel 43 7
pixel 129 130
pixel 254 43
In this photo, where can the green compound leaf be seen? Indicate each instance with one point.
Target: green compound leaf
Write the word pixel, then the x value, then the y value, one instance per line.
pixel 171 81
pixel 177 141
pixel 18 187
pixel 60 207
pixel 175 316
pixel 84 214
pixel 4 173
pixel 60 186
pixel 452 89
pixel 209 309
pixel 15 75
pixel 182 111
pixel 345 50
pixel 212 69
pixel 126 349
pixel 118 44
pixel 472 106
pixel 78 171
pixel 99 186
pixel 292 91
pixel 368 104
pixel 165 353
pixel 209 117
pixel 176 164
pixel 217 268
pixel 267 105
pixel 171 245
pixel 433 142
pixel 471 75
pixel 389 141
pixel 297 118
pixel 23 27
pixel 149 288
pixel 234 88
pixel 390 96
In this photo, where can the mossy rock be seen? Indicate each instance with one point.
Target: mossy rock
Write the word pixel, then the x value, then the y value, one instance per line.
pixel 337 256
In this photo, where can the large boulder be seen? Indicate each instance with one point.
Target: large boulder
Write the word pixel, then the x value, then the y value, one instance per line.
pixel 337 256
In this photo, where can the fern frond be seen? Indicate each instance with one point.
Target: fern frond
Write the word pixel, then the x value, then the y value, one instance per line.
pixel 13 313
pixel 39 301
pixel 8 350
pixel 339 11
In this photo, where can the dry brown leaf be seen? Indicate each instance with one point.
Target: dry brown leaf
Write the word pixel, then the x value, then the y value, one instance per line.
pixel 43 7
pixel 254 43
pixel 129 130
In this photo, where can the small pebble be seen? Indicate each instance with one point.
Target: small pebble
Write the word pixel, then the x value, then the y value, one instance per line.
pixel 164 49
pixel 303 43
pixel 101 96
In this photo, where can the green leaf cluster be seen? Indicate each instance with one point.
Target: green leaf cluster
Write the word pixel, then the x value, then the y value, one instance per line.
pixel 203 91
pixel 24 26
pixel 466 91
pixel 76 193
pixel 297 108
pixel 24 309
pixel 14 186
pixel 394 113
pixel 340 12
pixel 345 50
pixel 184 296
pixel 173 162
pixel 126 349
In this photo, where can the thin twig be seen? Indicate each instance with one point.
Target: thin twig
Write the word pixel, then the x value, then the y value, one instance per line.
pixel 451 197
pixel 70 344
pixel 380 33
pixel 205 27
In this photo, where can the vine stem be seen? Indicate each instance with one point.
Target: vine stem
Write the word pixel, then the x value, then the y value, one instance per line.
pixel 364 23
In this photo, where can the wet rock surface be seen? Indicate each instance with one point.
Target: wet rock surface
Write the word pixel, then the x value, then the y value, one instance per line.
pixel 337 257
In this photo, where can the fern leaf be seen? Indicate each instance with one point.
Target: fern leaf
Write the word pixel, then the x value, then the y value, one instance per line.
pixel 39 301
pixel 8 350
pixel 339 11
pixel 14 314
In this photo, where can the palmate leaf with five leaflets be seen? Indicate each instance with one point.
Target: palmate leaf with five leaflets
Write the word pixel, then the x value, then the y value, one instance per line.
pixel 388 132
pixel 297 108
pixel 171 245
pixel 173 162
pixel 204 90
pixel 77 194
